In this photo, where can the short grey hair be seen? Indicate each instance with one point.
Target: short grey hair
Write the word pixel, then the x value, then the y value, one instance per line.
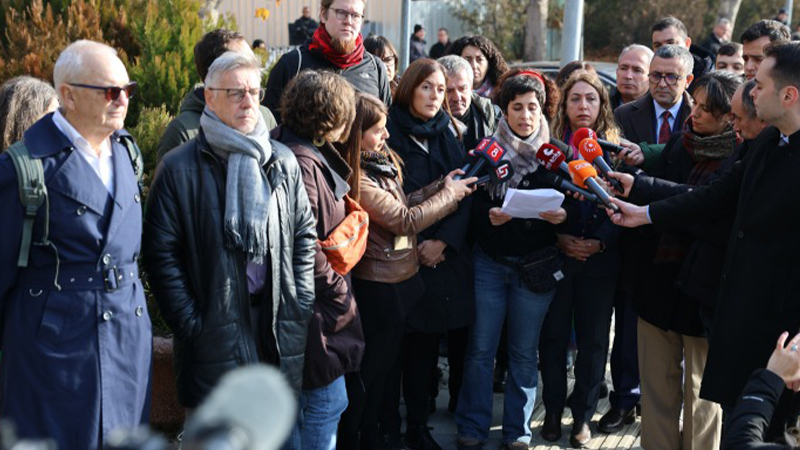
pixel 637 47
pixel 723 21
pixel 674 51
pixel 453 64
pixel 747 100
pixel 70 63
pixel 230 61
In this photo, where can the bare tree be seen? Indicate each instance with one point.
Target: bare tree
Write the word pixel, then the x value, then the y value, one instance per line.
pixel 536 31
pixel 729 9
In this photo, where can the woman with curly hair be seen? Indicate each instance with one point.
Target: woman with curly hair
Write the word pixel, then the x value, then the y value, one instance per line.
pixel 585 297
pixel 488 64
pixel 317 110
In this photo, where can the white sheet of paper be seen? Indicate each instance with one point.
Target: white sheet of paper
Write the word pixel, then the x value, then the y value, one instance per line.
pixel 528 203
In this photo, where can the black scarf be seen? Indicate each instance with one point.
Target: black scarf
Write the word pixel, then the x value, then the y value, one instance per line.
pixel 443 146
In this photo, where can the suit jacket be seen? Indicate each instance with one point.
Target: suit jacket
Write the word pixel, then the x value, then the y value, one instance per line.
pixel 761 274
pixel 638 120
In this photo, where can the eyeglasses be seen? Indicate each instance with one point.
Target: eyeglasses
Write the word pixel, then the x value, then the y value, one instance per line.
pixel 669 78
pixel 343 14
pixel 237 95
pixel 111 92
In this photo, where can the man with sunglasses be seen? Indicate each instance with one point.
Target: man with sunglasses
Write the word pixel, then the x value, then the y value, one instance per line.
pixel 337 45
pixel 76 347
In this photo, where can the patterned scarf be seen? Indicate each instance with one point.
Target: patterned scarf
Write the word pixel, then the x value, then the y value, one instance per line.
pixel 485 89
pixel 707 152
pixel 247 192
pixel 520 152
pixel 378 163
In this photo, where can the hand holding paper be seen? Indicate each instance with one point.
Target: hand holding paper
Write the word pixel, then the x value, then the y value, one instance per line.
pixel 529 203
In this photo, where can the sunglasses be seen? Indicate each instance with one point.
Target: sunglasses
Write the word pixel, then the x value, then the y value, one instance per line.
pixel 111 92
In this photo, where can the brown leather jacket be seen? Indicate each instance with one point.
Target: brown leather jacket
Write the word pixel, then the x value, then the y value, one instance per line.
pixel 394 221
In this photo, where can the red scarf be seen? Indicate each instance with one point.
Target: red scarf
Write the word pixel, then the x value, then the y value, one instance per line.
pixel 321 41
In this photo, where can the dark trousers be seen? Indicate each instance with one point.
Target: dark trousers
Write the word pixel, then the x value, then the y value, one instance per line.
pixel 381 306
pixel 589 301
pixel 420 354
pixel 456 352
pixel 624 355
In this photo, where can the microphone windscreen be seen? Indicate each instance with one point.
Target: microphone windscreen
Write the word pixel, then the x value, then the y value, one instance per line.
pixel 491 150
pixel 584 133
pixel 589 149
pixel 550 156
pixel 256 400
pixel 580 170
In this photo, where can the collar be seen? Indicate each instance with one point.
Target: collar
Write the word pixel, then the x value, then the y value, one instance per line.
pixel 674 110
pixel 77 138
pixel 44 138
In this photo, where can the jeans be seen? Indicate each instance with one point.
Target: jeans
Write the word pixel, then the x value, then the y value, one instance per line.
pixel 318 421
pixel 499 296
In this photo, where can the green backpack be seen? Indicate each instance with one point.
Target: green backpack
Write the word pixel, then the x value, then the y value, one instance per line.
pixel 33 192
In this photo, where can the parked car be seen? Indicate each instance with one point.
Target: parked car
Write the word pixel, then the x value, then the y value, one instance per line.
pixel 605 70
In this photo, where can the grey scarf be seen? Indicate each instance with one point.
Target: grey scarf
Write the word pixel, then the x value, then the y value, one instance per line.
pixel 521 153
pixel 247 191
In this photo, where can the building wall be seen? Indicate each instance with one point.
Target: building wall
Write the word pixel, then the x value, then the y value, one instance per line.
pixel 383 17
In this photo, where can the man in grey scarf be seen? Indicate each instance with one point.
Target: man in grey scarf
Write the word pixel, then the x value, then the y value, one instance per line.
pixel 230 240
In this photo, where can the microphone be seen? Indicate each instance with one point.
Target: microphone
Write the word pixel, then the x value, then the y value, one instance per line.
pixel 500 174
pixel 590 151
pixel 552 158
pixel 252 408
pixel 584 175
pixel 588 133
pixel 559 183
pixel 488 150
pixel 584 133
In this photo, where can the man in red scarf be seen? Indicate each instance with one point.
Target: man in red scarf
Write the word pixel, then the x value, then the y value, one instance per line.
pixel 337 45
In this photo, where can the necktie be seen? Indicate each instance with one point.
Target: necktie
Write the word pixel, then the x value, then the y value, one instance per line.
pixel 665 131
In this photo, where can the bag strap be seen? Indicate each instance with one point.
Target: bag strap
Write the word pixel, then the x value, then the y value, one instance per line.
pixel 135 154
pixel 299 60
pixel 32 194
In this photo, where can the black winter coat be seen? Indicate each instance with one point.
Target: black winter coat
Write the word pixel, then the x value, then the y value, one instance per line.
pixel 449 289
pixel 201 285
pixel 673 292
pixel 517 237
pixel 747 425
pixel 761 275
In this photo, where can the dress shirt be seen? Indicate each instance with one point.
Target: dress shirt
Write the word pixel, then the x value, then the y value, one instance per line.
pixel 102 165
pixel 674 111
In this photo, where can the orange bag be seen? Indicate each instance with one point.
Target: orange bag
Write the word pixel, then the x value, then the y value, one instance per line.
pixel 347 243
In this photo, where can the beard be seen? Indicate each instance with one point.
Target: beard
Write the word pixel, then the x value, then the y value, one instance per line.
pixel 343 47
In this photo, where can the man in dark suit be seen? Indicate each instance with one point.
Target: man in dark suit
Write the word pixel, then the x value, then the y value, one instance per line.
pixel 761 276
pixel 643 120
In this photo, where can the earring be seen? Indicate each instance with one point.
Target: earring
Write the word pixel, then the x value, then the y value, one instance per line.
pixel 318 141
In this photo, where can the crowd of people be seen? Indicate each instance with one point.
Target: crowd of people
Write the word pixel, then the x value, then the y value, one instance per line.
pixel 337 225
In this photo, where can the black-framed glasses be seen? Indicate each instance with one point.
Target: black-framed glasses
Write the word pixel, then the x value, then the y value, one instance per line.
pixel 343 14
pixel 111 92
pixel 237 95
pixel 669 78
